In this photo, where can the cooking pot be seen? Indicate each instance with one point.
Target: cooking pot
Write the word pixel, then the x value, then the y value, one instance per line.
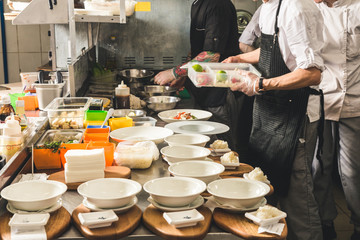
pixel 136 75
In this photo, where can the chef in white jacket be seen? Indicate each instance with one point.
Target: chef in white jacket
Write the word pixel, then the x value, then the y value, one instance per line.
pixel 341 88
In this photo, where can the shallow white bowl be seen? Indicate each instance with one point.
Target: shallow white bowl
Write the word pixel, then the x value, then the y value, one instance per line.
pixel 168 116
pixel 203 170
pixel 181 153
pixel 33 195
pixel 109 192
pixel 187 139
pixel 141 133
pixel 240 193
pixel 174 191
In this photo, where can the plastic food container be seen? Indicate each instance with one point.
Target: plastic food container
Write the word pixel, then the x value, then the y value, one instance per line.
pixel 144 121
pixel 27 80
pixel 96 134
pixel 109 149
pixel 94 117
pixel 50 158
pixel 9 146
pixel 67 113
pixel 218 74
pixel 122 122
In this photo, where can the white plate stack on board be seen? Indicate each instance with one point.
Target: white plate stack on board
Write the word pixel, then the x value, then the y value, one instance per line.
pixel 84 165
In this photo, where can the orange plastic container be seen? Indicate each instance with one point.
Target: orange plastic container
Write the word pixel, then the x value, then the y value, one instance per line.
pixel 121 122
pixel 68 146
pixel 31 102
pixel 96 135
pixel 109 149
pixel 46 159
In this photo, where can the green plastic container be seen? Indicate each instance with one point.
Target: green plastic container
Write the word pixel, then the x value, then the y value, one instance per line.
pixel 95 115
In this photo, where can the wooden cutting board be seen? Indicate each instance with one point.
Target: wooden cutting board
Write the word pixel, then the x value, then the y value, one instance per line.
pixel 58 223
pixel 126 224
pixel 154 221
pixel 239 225
pixel 110 172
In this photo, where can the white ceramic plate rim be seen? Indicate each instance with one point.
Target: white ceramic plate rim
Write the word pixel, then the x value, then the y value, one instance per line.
pixel 123 134
pixel 201 137
pixel 218 127
pixel 218 167
pixel 135 184
pixel 164 115
pixel 194 204
pixel 264 185
pixel 171 163
pixel 236 209
pixel 205 150
pixel 51 209
pixel 94 208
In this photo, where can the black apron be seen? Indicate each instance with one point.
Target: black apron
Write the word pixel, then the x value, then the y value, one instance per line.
pixel 278 118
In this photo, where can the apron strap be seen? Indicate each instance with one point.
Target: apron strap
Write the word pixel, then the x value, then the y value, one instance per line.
pixel 320 127
pixel 276 28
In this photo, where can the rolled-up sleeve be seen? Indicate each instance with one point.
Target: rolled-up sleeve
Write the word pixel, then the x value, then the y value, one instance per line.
pixel 305 40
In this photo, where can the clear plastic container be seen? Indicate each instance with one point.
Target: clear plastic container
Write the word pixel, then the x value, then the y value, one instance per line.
pixel 67 113
pixel 218 74
pixel 9 146
pixel 144 121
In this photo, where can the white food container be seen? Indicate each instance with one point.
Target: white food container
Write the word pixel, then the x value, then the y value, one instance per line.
pixel 184 218
pixel 29 221
pixel 98 219
pixel 264 222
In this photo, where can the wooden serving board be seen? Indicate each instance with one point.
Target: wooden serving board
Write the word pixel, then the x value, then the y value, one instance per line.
pixel 237 172
pixel 110 172
pixel 154 221
pixel 58 223
pixel 239 225
pixel 126 224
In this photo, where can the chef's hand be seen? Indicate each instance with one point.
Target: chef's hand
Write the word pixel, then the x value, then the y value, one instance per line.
pixel 178 83
pixel 247 83
pixel 233 59
pixel 164 77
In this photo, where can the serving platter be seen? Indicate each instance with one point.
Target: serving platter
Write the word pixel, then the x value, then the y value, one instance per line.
pixel 141 133
pixel 200 115
pixel 200 127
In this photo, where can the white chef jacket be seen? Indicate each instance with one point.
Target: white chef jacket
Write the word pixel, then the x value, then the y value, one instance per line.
pixel 300 38
pixel 252 30
pixel 341 54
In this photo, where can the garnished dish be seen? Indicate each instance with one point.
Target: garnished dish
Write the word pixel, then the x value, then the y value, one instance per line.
pixel 184 116
pixel 258 175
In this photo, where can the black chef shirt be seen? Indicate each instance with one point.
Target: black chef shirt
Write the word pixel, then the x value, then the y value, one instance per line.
pixel 213 28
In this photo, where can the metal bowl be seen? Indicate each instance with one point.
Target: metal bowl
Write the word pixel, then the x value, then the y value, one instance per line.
pixel 161 103
pixel 129 112
pixel 157 90
pixel 136 75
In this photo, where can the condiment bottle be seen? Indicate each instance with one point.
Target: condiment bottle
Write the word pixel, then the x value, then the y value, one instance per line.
pixel 6 109
pixel 20 107
pixel 12 128
pixel 122 96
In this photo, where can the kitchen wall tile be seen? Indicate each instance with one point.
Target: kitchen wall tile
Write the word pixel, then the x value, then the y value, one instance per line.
pixel 11 37
pixel 45 39
pixel 13 67
pixel 29 38
pixel 29 61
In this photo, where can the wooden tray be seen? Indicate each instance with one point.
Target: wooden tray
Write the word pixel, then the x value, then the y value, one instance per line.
pixel 58 223
pixel 110 172
pixel 239 225
pixel 153 220
pixel 237 172
pixel 126 224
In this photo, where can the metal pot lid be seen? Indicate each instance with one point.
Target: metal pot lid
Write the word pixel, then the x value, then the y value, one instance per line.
pixel 243 19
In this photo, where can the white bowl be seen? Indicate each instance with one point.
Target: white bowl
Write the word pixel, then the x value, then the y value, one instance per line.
pixel 240 193
pixel 109 192
pixel 141 133
pixel 184 153
pixel 203 170
pixel 33 195
pixel 168 116
pixel 187 139
pixel 174 191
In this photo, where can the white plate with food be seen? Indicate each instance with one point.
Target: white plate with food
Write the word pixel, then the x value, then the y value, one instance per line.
pixel 176 115
pixel 194 204
pixel 200 127
pixel 141 133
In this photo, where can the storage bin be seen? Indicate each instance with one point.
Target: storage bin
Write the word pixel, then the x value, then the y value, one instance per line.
pixel 144 121
pixel 66 113
pixel 122 122
pixel 96 135
pixel 46 92
pixel 46 158
pixel 9 146
pixel 93 117
pixel 109 149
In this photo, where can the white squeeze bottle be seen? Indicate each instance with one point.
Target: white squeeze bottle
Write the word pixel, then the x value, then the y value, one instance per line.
pixel 122 96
